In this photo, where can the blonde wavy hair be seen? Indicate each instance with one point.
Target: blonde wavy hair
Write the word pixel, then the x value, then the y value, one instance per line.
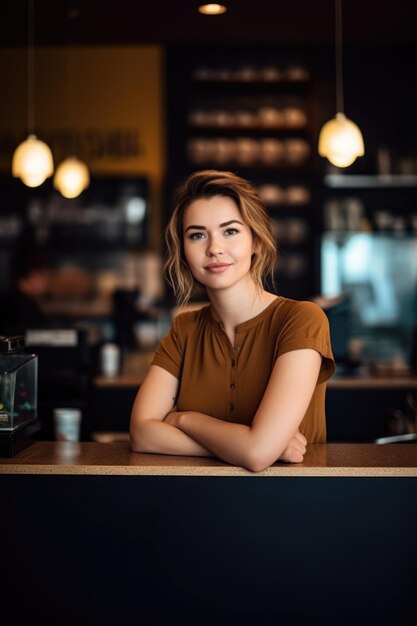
pixel 207 184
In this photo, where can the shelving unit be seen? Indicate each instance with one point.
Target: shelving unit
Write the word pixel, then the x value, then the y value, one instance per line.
pixel 370 203
pixel 251 111
pixel 93 241
pixel 369 181
pixel 111 214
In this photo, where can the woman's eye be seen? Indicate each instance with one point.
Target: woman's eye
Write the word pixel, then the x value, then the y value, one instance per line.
pixel 230 231
pixel 196 236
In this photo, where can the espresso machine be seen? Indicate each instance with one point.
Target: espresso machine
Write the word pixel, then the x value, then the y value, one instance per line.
pixel 18 395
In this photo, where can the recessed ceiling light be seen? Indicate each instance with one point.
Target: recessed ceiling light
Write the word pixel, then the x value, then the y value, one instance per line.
pixel 73 13
pixel 212 9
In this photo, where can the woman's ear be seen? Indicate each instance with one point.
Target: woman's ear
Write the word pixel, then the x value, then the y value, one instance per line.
pixel 255 247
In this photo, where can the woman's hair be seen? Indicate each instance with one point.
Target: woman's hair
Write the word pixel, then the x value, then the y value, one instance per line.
pixel 207 184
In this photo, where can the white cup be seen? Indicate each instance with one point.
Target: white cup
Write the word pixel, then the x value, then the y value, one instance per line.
pixel 67 424
pixel 110 359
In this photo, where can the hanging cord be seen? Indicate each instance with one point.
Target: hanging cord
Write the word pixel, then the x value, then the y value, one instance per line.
pixel 67 67
pixel 30 71
pixel 72 17
pixel 339 61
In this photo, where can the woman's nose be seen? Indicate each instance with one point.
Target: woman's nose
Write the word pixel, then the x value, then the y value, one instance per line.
pixel 214 246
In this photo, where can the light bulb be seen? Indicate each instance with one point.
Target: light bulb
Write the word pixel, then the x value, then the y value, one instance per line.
pixel 340 141
pixel 71 177
pixel 32 162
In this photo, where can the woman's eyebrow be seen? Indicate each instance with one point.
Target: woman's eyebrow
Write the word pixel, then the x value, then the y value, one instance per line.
pixel 230 222
pixel 196 227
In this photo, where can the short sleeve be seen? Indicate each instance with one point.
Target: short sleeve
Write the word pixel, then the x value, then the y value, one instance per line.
pixel 307 326
pixel 169 354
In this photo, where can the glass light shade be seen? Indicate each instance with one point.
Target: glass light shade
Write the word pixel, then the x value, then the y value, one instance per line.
pixel 340 141
pixel 71 177
pixel 32 162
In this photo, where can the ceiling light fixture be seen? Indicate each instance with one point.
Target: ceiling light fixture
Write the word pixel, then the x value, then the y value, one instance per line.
pixel 72 175
pixel 32 160
pixel 212 9
pixel 340 139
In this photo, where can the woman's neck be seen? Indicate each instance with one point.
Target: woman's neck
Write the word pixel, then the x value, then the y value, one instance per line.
pixel 234 306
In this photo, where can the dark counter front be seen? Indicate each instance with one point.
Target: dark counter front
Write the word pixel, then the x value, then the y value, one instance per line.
pixel 93 534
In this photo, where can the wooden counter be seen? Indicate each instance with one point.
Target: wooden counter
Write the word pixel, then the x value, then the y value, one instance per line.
pixel 137 364
pixel 356 460
pixel 372 382
pixel 135 367
pixel 134 379
pixel 94 534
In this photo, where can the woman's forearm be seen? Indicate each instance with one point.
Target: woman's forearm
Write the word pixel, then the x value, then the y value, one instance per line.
pixel 274 428
pixel 231 442
pixel 156 437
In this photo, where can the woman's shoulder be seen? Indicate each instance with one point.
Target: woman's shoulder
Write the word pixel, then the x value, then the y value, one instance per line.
pixel 302 310
pixel 290 304
pixel 191 315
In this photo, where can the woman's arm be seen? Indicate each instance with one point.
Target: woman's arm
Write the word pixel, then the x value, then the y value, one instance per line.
pixel 148 431
pixel 276 421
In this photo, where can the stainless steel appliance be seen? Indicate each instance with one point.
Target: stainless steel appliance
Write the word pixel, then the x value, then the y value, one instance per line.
pixel 18 395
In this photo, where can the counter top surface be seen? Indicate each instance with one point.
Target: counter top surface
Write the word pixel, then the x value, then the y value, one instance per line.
pixel 369 381
pixel 325 460
pixel 337 382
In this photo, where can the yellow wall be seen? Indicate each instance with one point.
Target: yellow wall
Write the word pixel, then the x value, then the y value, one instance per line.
pixel 98 92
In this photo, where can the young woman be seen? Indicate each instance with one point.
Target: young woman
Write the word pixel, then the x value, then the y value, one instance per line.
pixel 243 378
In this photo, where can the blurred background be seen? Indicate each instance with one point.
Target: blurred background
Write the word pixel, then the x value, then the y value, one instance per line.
pixel 143 98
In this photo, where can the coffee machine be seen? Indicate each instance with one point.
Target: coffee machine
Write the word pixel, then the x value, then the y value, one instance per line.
pixel 18 395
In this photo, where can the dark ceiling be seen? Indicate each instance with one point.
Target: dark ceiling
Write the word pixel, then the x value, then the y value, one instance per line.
pixel 177 22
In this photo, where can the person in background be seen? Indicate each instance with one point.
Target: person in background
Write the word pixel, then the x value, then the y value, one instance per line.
pixel 244 377
pixel 20 307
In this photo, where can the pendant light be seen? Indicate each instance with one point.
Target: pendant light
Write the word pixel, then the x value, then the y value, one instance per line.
pixel 32 160
pixel 340 139
pixel 72 175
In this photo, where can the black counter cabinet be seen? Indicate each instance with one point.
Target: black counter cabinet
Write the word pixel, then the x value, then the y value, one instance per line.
pixel 364 409
pixel 95 534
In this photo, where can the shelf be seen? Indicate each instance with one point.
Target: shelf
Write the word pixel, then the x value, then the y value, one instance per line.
pixel 347 181
pixel 255 131
pixel 257 169
pixel 285 208
pixel 383 234
pixel 93 246
pixel 91 308
pixel 287 87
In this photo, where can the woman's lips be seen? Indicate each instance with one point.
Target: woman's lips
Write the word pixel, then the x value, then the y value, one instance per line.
pixel 217 268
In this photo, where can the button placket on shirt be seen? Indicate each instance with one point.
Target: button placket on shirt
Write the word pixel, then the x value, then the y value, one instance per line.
pixel 232 384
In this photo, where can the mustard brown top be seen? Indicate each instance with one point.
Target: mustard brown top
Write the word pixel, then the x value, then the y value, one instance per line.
pixel 227 381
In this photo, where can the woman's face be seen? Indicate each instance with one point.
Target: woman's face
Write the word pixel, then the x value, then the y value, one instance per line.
pixel 218 245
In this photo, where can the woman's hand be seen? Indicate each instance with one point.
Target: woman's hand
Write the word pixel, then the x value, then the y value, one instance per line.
pixel 295 450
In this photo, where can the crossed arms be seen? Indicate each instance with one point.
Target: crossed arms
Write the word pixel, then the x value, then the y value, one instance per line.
pixel 156 426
